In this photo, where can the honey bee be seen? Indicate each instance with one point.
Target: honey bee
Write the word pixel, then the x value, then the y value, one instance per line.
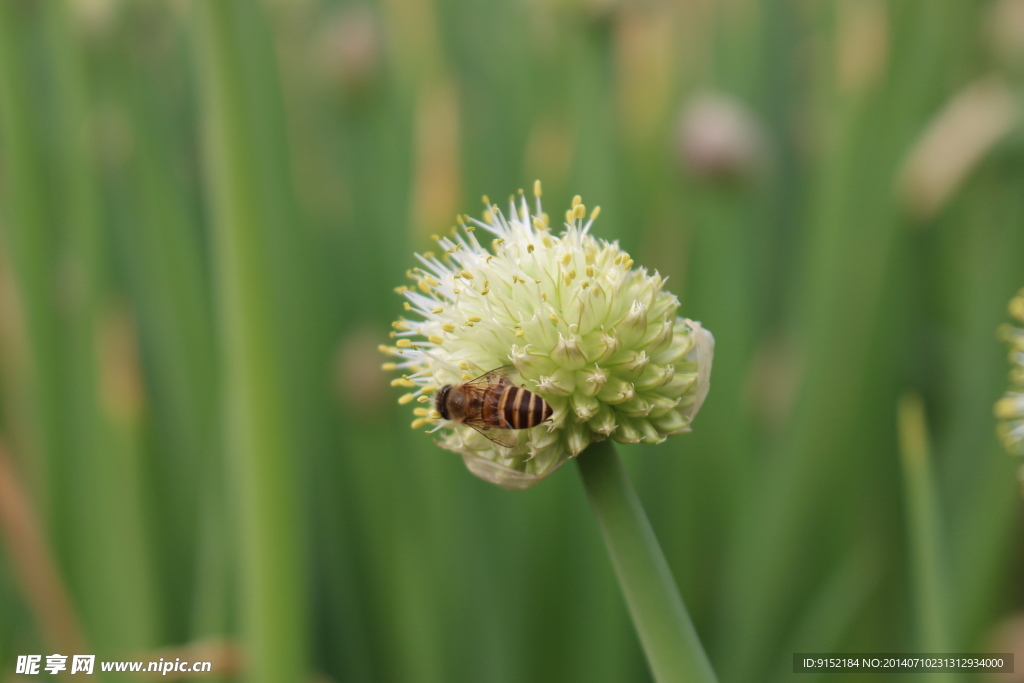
pixel 492 404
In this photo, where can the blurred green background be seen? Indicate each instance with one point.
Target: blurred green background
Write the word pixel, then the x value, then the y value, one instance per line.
pixel 206 206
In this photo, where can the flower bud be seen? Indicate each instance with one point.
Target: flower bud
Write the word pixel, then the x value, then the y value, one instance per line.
pixel 604 421
pixel 531 365
pixel 720 141
pixel 561 382
pixel 568 353
pixel 616 391
pixel 633 327
pixel 654 376
pixel 585 406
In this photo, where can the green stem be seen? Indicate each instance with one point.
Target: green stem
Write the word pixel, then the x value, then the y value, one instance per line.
pixel 666 633
pixel 928 555
pixel 234 56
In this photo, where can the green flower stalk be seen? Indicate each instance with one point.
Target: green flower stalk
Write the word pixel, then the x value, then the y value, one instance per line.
pixel 597 338
pixel 1010 408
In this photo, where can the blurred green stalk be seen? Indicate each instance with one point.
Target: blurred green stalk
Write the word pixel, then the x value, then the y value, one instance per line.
pixel 667 635
pixel 930 575
pixel 233 48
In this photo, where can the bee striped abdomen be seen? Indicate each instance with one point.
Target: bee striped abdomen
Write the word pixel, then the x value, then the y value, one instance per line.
pixel 521 409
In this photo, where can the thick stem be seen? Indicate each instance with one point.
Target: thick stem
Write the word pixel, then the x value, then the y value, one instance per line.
pixel 666 633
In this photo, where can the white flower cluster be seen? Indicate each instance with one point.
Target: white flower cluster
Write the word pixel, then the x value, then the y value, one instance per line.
pixel 1010 408
pixel 596 338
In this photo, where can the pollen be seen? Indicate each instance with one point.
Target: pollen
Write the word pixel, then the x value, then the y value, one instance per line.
pixel 474 319
pixel 406 398
pixel 536 188
pixel 403 344
pixel 403 382
pixel 466 274
pixel 388 367
pixel 448 327
pixel 419 422
pixel 423 399
pixel 437 309
pixel 436 340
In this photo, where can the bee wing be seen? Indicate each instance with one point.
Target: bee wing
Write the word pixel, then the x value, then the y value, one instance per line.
pixel 498 377
pixel 502 437
pixel 487 383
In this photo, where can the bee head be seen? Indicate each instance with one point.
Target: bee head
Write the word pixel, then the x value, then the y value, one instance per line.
pixel 441 401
